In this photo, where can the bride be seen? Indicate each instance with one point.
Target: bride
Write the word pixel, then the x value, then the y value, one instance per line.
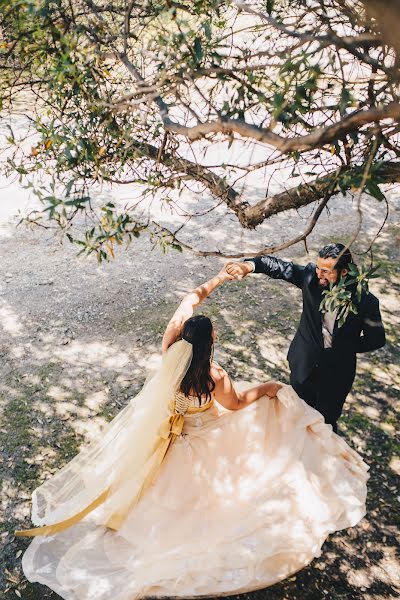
pixel 185 495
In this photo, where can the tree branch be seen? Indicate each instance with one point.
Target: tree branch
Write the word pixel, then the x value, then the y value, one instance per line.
pixel 305 194
pixel 349 43
pixel 265 250
pixel 316 139
pixel 216 184
pixel 250 216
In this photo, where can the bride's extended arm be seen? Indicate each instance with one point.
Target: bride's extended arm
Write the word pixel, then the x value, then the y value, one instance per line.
pixel 226 394
pixel 186 308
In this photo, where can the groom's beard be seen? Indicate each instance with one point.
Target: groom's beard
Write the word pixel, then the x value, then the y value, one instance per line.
pixel 323 285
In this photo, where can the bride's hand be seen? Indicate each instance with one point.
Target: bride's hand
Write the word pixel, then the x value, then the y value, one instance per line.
pixel 272 388
pixel 223 275
pixel 238 270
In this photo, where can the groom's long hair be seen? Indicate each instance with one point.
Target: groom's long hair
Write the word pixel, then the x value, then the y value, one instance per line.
pixel 198 381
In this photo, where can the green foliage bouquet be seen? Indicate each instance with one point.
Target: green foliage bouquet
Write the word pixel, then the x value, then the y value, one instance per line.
pixel 344 296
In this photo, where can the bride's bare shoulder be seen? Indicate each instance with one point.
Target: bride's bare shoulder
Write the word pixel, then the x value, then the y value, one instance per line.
pixel 217 372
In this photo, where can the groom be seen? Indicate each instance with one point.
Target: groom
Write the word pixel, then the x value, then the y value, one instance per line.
pixel 322 356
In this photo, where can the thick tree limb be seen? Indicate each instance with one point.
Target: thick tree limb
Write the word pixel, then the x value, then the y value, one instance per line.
pixel 250 216
pixel 305 194
pixel 316 139
pixel 262 251
pixel 389 173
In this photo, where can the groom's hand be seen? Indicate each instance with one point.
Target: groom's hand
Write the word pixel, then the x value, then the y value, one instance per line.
pixel 239 270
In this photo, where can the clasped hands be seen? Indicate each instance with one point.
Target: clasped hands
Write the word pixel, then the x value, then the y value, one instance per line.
pixel 235 271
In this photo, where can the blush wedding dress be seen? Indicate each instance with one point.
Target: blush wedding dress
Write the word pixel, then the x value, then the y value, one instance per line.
pixel 182 500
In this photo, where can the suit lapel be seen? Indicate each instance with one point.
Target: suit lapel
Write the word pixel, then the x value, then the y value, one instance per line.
pixel 316 295
pixel 335 328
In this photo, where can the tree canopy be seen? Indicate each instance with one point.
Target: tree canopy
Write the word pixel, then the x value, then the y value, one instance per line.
pixel 145 92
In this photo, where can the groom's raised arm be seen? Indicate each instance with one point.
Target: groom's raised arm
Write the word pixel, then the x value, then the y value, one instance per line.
pixel 278 269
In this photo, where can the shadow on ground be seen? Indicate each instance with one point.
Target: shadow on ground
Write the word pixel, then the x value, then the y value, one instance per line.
pixel 59 386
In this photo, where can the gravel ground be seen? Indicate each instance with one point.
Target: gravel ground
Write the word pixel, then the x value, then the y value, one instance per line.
pixel 77 337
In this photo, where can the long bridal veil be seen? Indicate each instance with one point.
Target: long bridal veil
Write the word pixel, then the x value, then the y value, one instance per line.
pixel 114 467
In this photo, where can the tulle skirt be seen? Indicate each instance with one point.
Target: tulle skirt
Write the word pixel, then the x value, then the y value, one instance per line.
pixel 243 500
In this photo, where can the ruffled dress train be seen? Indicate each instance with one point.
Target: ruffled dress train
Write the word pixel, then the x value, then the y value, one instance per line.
pixel 243 500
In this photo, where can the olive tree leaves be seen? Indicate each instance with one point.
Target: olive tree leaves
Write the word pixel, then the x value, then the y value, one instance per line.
pixel 345 296
pixel 155 94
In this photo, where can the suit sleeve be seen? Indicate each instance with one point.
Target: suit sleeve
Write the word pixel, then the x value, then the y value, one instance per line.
pixel 373 332
pixel 279 269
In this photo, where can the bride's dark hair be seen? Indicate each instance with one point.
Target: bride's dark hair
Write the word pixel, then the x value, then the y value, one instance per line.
pixel 198 381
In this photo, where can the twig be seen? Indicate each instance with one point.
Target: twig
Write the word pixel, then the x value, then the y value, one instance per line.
pixel 262 251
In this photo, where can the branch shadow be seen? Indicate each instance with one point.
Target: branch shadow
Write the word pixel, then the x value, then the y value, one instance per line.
pixel 71 361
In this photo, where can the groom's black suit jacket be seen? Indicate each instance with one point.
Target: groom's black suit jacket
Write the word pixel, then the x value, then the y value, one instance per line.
pixel 362 332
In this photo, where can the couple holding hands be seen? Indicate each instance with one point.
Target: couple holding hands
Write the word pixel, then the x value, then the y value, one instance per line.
pixel 185 495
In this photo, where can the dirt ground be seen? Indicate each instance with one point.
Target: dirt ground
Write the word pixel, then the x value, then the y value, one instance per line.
pixel 75 341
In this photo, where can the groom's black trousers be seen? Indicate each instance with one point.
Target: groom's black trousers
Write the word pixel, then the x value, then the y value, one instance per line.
pixel 328 384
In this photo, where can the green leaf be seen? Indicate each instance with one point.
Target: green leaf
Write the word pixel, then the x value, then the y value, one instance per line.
pixel 345 99
pixel 373 188
pixel 351 281
pixel 198 50
pixel 207 30
pixel 353 269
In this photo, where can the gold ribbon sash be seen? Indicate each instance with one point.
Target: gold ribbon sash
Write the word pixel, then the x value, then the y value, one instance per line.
pixel 169 430
pixel 66 523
